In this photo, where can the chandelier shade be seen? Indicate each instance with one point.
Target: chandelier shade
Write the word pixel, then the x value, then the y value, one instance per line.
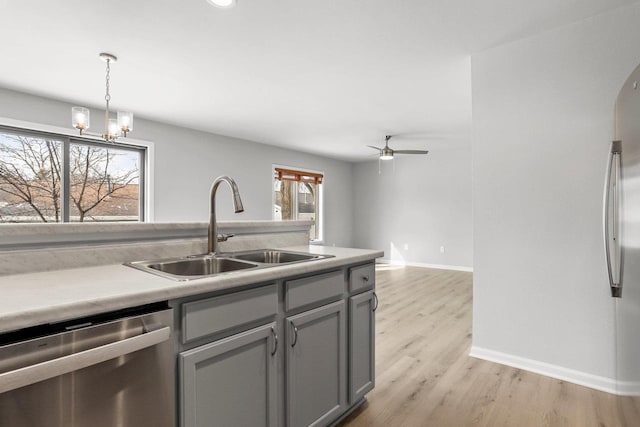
pixel 80 118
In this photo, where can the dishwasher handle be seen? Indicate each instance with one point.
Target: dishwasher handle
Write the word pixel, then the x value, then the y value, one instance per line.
pixel 63 365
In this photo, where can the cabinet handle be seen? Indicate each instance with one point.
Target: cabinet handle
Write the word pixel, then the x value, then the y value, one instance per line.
pixel 365 278
pixel 375 297
pixel 295 334
pixel 275 342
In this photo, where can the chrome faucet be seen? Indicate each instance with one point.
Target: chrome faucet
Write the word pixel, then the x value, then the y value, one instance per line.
pixel 213 225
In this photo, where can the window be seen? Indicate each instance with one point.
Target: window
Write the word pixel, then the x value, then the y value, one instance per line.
pixel 298 196
pixel 45 177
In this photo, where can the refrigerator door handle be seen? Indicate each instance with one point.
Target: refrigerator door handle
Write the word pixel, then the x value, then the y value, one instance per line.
pixel 611 219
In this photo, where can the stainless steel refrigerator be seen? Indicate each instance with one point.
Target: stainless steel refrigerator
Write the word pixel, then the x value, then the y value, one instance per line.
pixel 622 233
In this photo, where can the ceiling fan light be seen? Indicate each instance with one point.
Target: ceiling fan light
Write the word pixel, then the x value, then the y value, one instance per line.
pixel 386 153
pixel 223 4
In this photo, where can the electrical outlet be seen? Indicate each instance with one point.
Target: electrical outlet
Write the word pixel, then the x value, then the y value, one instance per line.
pixel 441 249
pixel 406 246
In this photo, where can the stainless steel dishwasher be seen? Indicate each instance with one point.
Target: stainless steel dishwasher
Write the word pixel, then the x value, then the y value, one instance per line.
pixel 115 370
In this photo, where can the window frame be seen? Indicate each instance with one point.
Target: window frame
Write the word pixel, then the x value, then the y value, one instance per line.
pixel 68 137
pixel 320 209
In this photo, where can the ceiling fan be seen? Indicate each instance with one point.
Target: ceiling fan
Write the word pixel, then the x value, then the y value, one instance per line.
pixel 386 153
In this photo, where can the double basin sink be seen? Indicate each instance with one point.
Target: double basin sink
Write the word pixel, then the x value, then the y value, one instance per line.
pixel 207 265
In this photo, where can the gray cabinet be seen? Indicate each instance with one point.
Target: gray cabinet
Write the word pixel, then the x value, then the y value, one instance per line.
pixel 362 277
pixel 210 316
pixel 231 382
pixel 234 373
pixel 361 345
pixel 313 290
pixel 316 366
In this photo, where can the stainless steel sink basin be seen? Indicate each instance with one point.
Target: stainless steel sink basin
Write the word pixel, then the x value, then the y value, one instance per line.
pixel 275 256
pixel 199 266
pixel 194 267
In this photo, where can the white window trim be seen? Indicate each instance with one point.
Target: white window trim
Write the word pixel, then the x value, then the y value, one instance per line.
pixel 148 145
pixel 320 216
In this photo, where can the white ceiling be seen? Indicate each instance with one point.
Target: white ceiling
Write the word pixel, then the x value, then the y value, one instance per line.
pixel 327 77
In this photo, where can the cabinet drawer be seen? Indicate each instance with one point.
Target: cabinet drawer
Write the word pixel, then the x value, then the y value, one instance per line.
pixel 213 315
pixel 362 277
pixel 313 289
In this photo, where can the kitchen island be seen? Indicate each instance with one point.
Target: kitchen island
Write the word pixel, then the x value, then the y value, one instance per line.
pixel 289 345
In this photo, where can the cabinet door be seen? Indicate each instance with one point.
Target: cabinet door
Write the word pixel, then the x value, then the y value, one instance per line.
pixel 316 366
pixel 231 382
pixel 361 345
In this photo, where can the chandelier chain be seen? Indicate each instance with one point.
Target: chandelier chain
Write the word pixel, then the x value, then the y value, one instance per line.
pixel 107 96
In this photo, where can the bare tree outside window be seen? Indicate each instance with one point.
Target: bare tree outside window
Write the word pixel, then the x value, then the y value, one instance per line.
pixel 29 179
pixel 284 198
pixel 307 205
pixel 104 182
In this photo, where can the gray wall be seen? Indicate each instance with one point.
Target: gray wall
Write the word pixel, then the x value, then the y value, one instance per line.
pixel 543 120
pixel 187 161
pixel 423 202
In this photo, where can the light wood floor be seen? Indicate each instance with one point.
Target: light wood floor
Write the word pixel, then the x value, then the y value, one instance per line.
pixel 424 376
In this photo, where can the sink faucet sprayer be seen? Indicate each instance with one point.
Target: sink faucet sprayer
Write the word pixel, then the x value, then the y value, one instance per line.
pixel 213 226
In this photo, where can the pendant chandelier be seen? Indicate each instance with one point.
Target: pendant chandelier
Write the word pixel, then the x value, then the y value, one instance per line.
pixel 113 128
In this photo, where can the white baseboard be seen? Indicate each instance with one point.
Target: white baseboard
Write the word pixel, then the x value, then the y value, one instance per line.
pixel 609 385
pixel 422 264
pixel 628 388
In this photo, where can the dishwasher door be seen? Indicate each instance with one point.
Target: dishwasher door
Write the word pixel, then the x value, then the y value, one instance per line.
pixel 94 373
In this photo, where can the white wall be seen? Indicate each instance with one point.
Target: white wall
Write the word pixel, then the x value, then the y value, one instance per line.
pixel 421 201
pixel 543 121
pixel 187 161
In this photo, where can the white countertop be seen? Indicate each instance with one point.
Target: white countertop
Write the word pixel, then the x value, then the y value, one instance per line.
pixel 52 296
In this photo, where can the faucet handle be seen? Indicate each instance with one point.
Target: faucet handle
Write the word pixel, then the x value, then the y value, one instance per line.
pixel 224 237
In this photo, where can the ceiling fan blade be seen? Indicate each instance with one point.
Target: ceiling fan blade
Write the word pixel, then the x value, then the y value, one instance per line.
pixel 410 152
pixel 423 135
pixel 376 148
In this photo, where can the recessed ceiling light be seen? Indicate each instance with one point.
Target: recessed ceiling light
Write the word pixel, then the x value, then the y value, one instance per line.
pixel 224 4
